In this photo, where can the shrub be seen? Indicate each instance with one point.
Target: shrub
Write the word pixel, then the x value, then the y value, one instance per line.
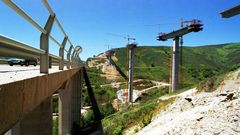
pixel 118 130
pixel 234 67
pixel 210 84
pixel 147 119
pixel 106 109
pixel 140 114
pixel 136 130
pixel 87 118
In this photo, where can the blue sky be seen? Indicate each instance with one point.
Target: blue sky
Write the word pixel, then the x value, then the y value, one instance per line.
pixel 87 22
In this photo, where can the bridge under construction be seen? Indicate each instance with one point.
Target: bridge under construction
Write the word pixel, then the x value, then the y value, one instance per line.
pixel 26 94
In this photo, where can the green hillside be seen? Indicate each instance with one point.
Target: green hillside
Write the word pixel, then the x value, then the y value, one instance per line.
pixel 153 62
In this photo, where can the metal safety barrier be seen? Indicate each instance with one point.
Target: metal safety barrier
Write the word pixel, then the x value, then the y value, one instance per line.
pixel 13 48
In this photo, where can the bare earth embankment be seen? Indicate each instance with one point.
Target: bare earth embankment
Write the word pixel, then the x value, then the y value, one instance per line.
pixel 202 113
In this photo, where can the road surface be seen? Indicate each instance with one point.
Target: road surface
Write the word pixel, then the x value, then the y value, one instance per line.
pixel 14 73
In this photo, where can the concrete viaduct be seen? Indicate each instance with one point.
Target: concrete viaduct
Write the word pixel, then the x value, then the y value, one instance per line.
pixel 26 98
pixel 26 105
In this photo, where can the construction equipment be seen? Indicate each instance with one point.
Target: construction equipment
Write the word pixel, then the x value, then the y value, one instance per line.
pixel 159 25
pixel 193 26
pixel 125 37
pixel 231 12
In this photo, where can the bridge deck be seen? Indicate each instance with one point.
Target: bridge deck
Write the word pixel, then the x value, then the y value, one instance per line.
pixel 9 74
pixel 23 88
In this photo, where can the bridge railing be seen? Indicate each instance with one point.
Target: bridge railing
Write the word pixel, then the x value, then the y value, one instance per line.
pixel 12 48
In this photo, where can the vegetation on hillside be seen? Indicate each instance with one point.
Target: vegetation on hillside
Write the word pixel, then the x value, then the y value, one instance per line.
pixel 140 114
pixel 202 66
pixel 198 63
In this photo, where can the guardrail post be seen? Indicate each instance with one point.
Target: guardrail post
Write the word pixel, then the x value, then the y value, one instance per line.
pixel 44 44
pixel 50 62
pixel 61 53
pixel 77 59
pixel 68 57
pixel 73 58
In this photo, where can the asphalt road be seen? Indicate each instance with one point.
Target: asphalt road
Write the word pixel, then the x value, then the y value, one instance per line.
pixel 14 73
pixel 17 68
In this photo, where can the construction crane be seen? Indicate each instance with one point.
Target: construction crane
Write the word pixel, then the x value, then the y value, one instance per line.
pixel 125 37
pixel 159 25
pixel 193 26
pixel 130 46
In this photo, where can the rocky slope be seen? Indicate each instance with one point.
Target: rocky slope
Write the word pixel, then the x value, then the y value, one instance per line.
pixel 101 62
pixel 202 113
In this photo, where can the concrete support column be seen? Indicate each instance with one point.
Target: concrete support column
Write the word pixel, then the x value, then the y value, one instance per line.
pixel 76 98
pixel 130 72
pixel 37 122
pixel 70 105
pixel 175 65
pixel 109 56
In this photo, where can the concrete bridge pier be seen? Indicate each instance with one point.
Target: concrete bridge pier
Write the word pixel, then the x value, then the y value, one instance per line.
pixel 130 71
pixel 70 105
pixel 37 122
pixel 175 65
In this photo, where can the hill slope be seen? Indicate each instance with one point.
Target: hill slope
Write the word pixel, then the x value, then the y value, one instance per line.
pixel 198 62
pixel 201 113
pixel 153 63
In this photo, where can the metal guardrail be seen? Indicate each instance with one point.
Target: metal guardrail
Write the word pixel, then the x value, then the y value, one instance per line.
pixel 13 48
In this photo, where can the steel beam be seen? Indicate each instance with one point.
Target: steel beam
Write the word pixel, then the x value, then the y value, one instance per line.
pixel 24 15
pixel 52 13
pixel 48 7
pixel 8 42
pixel 54 40
pixel 44 45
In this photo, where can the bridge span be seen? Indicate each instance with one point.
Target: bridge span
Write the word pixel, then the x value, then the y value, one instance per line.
pixel 26 105
pixel 26 92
